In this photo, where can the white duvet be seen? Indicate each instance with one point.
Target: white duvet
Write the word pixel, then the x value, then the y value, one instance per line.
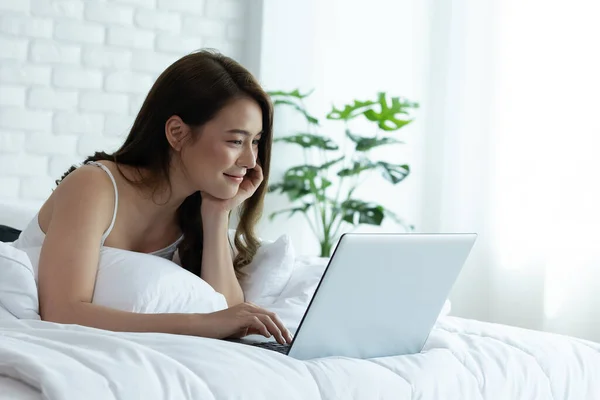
pixel 463 359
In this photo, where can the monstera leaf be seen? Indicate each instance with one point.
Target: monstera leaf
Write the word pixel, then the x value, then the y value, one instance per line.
pixel 300 181
pixel 360 212
pixel 398 220
pixel 296 182
pixel 392 172
pixel 350 111
pixel 386 118
pixel 291 211
pixel 308 186
pixel 308 140
pixel 367 143
pixel 330 163
pixel 299 108
pixel 358 167
pixel 291 99
pixel 294 93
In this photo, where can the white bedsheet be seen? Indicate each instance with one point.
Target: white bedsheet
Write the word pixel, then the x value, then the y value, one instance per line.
pixel 463 359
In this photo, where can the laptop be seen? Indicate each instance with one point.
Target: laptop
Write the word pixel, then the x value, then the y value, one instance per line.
pixel 380 295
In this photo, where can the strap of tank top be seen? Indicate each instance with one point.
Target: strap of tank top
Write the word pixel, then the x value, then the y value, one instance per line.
pixel 112 178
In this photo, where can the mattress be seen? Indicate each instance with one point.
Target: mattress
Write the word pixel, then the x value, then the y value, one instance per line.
pixel 462 359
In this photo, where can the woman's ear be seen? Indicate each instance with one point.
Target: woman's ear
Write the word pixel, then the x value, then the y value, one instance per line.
pixel 177 132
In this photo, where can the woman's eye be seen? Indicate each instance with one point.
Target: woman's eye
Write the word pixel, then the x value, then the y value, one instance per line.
pixel 240 142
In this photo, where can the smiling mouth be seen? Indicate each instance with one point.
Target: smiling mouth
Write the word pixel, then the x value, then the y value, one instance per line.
pixel 235 178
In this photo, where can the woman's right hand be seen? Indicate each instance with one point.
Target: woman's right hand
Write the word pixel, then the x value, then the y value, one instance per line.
pixel 242 320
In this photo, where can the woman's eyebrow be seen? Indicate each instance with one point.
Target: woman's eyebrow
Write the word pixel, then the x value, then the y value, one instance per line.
pixel 243 132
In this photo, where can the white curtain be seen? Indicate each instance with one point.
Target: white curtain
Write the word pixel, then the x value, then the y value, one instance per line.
pixel 344 50
pixel 503 144
pixel 512 156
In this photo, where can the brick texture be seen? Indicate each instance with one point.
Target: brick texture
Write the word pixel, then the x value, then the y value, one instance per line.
pixel 73 75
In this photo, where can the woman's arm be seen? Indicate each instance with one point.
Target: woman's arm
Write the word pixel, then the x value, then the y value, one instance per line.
pixel 82 208
pixel 217 265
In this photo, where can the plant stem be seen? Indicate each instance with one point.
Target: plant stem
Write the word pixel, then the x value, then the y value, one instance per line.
pixel 325 205
pixel 325 227
pixel 337 228
pixel 318 207
pixel 334 233
pixel 367 173
pixel 312 187
pixel 344 165
pixel 326 248
pixel 312 228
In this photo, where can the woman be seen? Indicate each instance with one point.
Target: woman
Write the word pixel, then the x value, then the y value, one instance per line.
pixel 198 149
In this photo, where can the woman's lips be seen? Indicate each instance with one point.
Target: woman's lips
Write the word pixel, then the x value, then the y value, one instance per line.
pixel 235 178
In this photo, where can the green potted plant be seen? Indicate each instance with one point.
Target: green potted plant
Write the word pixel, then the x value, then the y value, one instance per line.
pixel 325 192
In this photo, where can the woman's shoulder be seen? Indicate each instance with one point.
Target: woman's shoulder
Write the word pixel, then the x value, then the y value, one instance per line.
pixel 86 188
pixel 87 181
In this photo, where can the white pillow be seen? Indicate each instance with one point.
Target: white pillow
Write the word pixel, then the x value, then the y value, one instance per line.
pixel 18 291
pixel 143 283
pixel 269 271
pixel 17 215
pixel 5 315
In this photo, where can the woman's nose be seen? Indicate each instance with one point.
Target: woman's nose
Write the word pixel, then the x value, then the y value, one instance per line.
pixel 248 159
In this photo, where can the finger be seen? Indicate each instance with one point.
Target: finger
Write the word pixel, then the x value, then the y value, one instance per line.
pixel 257 177
pixel 256 323
pixel 286 333
pixel 258 171
pixel 253 331
pixel 275 318
pixel 242 332
pixel 272 327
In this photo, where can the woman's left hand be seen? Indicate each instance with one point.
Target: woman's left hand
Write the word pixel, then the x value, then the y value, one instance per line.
pixel 248 186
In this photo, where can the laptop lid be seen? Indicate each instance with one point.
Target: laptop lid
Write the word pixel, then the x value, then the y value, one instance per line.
pixel 380 295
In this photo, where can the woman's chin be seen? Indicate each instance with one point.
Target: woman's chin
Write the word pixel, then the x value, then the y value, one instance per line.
pixel 224 194
pixel 222 190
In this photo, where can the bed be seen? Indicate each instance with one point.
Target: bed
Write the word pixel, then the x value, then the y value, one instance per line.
pixel 462 359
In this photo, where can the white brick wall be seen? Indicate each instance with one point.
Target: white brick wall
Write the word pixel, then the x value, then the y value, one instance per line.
pixel 77 78
pixel 73 74
pixel 12 142
pixel 109 13
pixel 14 5
pixel 51 99
pixel 57 8
pixel 53 53
pixel 130 37
pixel 12 96
pixel 21 73
pixel 25 25
pixel 13 49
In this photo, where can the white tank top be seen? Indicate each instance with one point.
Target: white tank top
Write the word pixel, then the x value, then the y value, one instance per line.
pixel 33 236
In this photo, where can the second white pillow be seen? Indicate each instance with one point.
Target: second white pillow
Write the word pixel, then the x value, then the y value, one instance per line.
pixel 143 283
pixel 269 271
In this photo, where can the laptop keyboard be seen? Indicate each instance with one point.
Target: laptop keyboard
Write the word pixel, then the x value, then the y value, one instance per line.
pixel 280 348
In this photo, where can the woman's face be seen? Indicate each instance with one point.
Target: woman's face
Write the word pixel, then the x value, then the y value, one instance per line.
pixel 225 149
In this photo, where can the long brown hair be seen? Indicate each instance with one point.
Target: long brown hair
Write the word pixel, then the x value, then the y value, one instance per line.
pixel 195 88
